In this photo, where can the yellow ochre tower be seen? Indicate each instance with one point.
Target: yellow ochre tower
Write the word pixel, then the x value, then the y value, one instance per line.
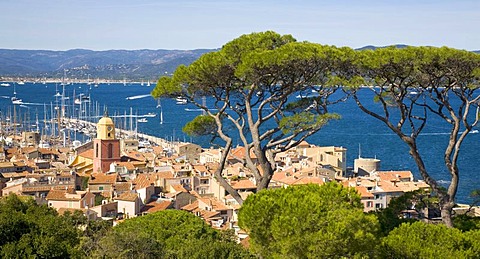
pixel 106 148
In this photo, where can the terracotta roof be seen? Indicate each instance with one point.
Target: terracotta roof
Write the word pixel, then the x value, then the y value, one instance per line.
pixel 47 151
pixel 164 175
pixel 214 203
pixel 387 186
pixel 127 196
pixel 280 175
pixel 412 186
pixel 123 186
pixel 128 165
pixel 143 180
pixel 28 150
pixel 15 175
pixel 394 175
pixel 240 152
pixel 208 214
pixel 135 155
pixel 103 179
pixel 303 144
pixel 157 150
pixel 191 207
pixel 45 188
pixel 87 154
pixel 178 188
pixel 308 180
pixel 65 195
pixel 363 192
pixel 156 206
pixel 243 184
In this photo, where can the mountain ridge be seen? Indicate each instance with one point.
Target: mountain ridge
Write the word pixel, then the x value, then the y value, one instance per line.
pixel 141 64
pixel 83 63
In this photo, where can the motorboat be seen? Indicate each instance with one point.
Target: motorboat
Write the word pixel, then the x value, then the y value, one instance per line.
pixel 181 100
pixel 150 114
pixel 16 100
pixel 142 120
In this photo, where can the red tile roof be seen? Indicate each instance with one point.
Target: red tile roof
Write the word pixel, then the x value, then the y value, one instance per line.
pixel 243 184
pixel 87 154
pixel 155 206
pixel 103 179
pixel 127 196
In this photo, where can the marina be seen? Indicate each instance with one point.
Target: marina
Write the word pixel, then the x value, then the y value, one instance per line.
pixel 43 105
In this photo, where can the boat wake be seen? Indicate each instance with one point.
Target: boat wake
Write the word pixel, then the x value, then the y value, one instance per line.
pixel 193 110
pixel 25 103
pixel 137 96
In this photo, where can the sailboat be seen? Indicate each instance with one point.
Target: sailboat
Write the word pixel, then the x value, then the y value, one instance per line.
pixel 14 98
pixel 159 105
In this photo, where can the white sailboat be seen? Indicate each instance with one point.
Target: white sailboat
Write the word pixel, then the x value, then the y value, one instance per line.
pixel 14 98
pixel 159 105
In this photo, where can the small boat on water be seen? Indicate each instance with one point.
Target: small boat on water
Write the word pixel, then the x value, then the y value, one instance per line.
pixel 15 100
pixel 142 120
pixel 150 114
pixel 181 100
pixel 5 84
pixel 82 99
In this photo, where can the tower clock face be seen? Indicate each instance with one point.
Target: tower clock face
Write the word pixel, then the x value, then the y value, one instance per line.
pixel 109 128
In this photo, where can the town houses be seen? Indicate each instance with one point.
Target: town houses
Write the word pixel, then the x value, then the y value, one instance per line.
pixel 113 178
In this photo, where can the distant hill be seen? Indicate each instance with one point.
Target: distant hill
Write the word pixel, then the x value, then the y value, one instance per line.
pixel 110 64
pixel 400 46
pixel 80 63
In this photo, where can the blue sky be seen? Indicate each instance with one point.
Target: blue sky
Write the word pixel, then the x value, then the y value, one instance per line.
pixel 181 24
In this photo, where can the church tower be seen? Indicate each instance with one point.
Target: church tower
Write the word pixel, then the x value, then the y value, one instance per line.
pixel 106 148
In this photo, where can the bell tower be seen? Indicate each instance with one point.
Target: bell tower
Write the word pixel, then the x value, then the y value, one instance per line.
pixel 106 148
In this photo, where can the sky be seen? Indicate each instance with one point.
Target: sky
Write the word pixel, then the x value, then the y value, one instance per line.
pixel 209 24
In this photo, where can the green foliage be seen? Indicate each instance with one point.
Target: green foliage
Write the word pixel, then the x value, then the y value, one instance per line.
pixel 421 240
pixel 164 87
pixel 93 233
pixel 392 216
pixel 308 221
pixel 98 199
pixel 84 180
pixel 168 234
pixel 202 125
pixel 466 223
pixel 305 121
pixel 129 244
pixel 31 231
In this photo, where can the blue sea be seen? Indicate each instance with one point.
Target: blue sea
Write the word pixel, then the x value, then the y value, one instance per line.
pixel 355 130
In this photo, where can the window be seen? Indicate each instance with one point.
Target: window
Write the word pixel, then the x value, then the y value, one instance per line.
pixel 96 150
pixel 110 150
pixel 369 204
pixel 100 188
